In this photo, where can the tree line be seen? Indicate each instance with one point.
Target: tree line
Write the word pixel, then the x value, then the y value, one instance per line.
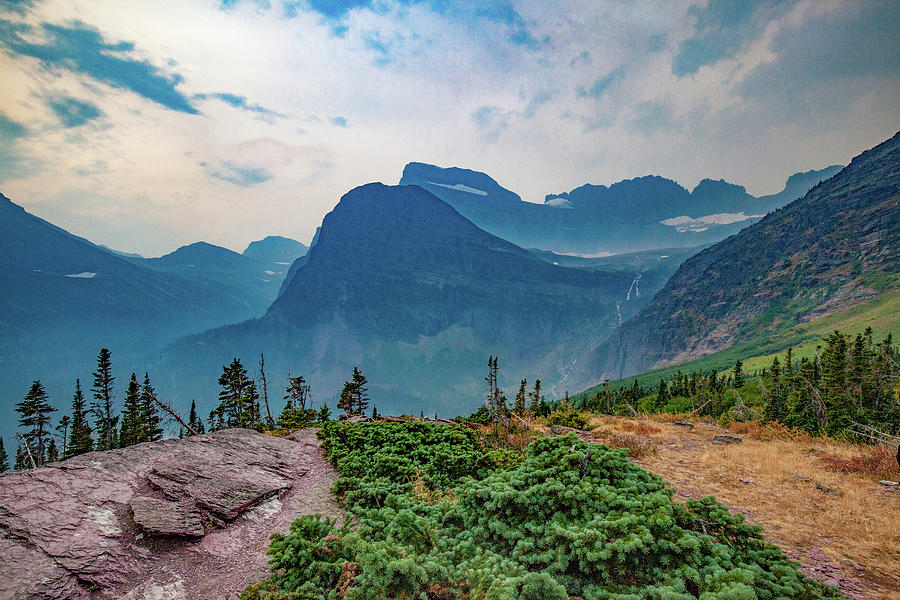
pixel 243 402
pixel 848 387
pixel 88 427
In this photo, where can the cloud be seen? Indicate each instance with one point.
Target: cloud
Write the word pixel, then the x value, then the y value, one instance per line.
pixel 722 28
pixel 650 117
pixel 73 112
pixel 601 85
pixel 11 130
pixel 16 6
pixel 506 14
pixel 584 58
pixel 339 121
pixel 11 163
pixel 819 59
pixel 239 102
pixel 83 50
pixel 240 175
pixel 538 100
pixel 491 121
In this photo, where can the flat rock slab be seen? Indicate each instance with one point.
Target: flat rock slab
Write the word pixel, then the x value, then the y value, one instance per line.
pixel 727 439
pixel 164 517
pixel 180 519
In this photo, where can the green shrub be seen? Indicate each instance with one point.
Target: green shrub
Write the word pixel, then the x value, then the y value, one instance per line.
pixel 568 418
pixel 567 519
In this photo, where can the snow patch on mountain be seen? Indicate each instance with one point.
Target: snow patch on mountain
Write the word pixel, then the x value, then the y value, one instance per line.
pixel 460 188
pixel 684 223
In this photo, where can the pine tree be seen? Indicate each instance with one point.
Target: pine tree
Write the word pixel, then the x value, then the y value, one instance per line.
pixel 132 430
pixel 776 405
pixel 838 401
pixel 52 452
pixel 295 413
pixel 34 411
pixel 662 394
pixel 150 418
pixel 737 375
pixel 238 398
pixel 535 397
pixel 63 427
pixel 80 440
pixel 519 406
pixel 360 396
pixel 22 461
pixel 324 414
pixel 102 407
pixel 345 402
pixel 4 458
pixel 193 421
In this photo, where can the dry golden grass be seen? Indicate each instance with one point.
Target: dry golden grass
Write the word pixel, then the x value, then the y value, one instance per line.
pixel 793 486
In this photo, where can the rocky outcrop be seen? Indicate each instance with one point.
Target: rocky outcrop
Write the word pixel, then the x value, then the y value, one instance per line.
pixel 172 519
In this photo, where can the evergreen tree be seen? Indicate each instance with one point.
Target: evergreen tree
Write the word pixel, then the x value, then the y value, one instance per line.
pixel 63 428
pixel 737 375
pixel 535 397
pixel 34 412
pixel 345 402
pixel 52 452
pixel 238 398
pixel 324 414
pixel 662 394
pixel 776 405
pixel 193 421
pixel 298 411
pixel 4 458
pixel 838 401
pixel 360 392
pixel 102 407
pixel 519 405
pixel 132 429
pixel 22 461
pixel 789 369
pixel 80 440
pixel 150 418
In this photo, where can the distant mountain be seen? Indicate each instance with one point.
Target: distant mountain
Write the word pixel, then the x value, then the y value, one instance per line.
pixel 837 246
pixel 398 283
pixel 276 250
pixel 634 215
pixel 62 298
pixel 252 278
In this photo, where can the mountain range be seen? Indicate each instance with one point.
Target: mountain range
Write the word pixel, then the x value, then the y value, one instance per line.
pixel 645 213
pixel 418 284
pixel 62 298
pixel 836 247
pixel 252 278
pixel 420 303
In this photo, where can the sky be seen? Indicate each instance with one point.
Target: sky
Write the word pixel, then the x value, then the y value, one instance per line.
pixel 146 125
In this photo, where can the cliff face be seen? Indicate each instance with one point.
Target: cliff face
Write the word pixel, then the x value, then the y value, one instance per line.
pixel 825 251
pixel 172 519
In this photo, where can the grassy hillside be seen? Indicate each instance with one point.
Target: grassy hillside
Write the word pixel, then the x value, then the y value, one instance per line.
pixel 882 314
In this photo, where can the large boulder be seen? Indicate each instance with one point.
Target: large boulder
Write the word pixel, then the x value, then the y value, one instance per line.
pixel 169 519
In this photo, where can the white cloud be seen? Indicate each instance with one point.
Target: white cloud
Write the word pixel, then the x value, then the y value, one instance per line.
pixel 139 177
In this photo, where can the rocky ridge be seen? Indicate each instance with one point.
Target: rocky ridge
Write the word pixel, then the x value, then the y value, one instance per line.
pixel 163 520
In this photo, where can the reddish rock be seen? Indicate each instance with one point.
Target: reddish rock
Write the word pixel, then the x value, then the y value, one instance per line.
pixel 169 519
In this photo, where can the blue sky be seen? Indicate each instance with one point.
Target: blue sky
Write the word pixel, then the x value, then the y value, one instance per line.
pixel 149 125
